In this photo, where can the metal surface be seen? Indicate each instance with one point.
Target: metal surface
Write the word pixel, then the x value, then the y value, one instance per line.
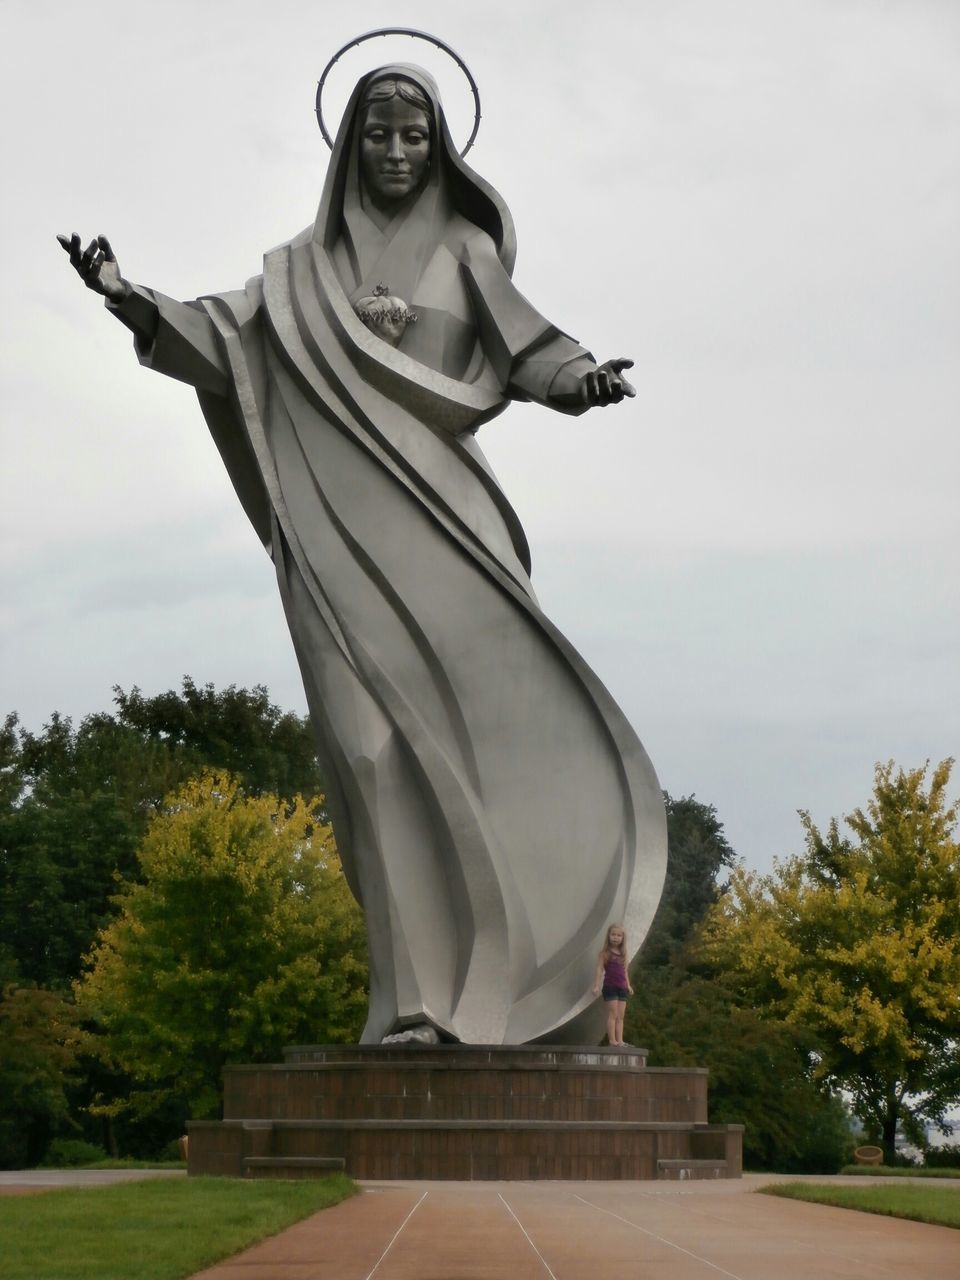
pixel 415 34
pixel 493 808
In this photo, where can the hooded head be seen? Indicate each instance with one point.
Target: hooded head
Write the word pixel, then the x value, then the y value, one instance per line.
pixel 396 131
pixel 409 90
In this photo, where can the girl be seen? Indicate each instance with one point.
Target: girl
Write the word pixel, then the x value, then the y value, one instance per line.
pixel 614 981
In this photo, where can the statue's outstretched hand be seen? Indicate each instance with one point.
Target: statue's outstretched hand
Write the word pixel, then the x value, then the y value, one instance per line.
pixel 96 266
pixel 606 385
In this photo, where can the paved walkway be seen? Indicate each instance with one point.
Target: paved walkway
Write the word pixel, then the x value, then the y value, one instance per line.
pixel 572 1231
pixel 593 1230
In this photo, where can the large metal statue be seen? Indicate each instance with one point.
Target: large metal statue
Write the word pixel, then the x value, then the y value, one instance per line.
pixel 493 808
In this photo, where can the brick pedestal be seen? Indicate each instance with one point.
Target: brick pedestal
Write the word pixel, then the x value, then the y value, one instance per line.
pixel 463 1112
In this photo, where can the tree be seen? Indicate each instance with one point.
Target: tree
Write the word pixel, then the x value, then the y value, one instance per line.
pixel 38 1051
pixel 68 825
pixel 857 945
pixel 75 803
pixel 239 730
pixel 685 1014
pixel 239 936
pixel 759 1067
pixel 697 851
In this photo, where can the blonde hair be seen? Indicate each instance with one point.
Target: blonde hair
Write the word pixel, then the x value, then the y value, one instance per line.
pixel 608 951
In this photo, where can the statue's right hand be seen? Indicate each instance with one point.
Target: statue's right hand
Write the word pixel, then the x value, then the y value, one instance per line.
pixel 96 266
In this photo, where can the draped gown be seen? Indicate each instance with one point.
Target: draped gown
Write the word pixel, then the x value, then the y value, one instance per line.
pixel 493 808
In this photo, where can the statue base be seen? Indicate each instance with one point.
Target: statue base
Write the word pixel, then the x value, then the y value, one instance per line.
pixel 460 1112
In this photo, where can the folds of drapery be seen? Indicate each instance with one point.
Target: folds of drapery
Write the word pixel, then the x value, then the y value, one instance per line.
pixel 493 807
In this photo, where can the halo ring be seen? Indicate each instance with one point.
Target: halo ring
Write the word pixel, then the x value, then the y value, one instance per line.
pixel 416 35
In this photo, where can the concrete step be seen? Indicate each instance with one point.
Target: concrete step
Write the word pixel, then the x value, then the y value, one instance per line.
pixel 462 1150
pixel 292 1166
pixel 685 1169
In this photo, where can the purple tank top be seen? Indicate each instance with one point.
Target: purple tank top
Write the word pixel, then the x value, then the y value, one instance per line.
pixel 614 972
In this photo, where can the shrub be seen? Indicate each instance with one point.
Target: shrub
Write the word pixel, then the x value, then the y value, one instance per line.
pixel 71 1153
pixel 946 1157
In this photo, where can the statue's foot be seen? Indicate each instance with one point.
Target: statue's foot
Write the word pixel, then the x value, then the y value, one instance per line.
pixel 423 1033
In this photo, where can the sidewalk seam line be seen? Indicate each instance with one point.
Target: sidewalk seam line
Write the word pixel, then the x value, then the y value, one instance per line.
pixel 662 1239
pixel 529 1241
pixel 396 1233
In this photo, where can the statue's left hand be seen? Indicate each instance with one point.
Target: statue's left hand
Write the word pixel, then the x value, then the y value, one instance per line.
pixel 605 384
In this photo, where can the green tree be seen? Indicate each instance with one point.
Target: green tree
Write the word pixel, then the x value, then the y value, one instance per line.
pixel 857 945
pixel 697 852
pixel 75 803
pixel 685 1014
pixel 239 730
pixel 239 936
pixel 71 826
pixel 38 1051
pixel 760 1073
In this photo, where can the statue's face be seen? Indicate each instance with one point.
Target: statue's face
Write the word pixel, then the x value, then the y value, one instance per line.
pixel 394 149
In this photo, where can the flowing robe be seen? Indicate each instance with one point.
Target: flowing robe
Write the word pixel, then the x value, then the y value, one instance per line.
pixel 493 808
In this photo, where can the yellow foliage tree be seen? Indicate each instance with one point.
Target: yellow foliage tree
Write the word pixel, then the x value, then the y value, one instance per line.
pixel 858 943
pixel 240 936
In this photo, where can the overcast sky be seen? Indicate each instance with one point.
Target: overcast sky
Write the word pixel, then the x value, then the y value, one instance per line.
pixel 756 200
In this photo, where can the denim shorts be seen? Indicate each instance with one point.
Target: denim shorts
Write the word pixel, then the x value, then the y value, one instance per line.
pixel 615 993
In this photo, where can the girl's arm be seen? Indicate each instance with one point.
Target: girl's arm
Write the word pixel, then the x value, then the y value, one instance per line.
pixel 598 976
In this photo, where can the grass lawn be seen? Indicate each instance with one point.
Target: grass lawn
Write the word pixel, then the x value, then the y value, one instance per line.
pixel 897 1171
pixel 940 1205
pixel 155 1230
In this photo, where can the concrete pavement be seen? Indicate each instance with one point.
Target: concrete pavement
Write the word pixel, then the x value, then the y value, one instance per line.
pixel 572 1231
pixel 579 1231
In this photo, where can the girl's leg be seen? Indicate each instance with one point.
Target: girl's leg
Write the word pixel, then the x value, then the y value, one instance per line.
pixel 612 1022
pixel 620 1008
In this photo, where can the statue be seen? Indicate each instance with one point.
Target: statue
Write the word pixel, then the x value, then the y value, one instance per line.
pixel 492 806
